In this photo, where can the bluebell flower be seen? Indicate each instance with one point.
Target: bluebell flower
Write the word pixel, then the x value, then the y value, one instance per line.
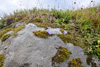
pixel 50 32
pixel 65 32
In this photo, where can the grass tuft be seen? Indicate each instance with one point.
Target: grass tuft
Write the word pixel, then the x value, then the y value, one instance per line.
pixel 46 25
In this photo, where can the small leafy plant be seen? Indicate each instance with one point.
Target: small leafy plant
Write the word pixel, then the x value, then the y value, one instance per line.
pixel 94 49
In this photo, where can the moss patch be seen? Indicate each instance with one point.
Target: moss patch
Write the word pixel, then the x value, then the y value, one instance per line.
pixel 18 29
pixel 72 37
pixel 68 39
pixel 3 31
pixel 15 34
pixel 65 38
pixel 42 34
pixel 4 37
pixel 46 25
pixel 61 55
pixel 75 63
pixel 2 58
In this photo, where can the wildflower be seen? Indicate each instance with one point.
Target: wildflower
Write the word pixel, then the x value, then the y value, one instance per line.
pixel 65 32
pixel 50 32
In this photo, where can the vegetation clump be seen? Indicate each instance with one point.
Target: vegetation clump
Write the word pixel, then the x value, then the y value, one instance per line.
pixel 69 39
pixel 73 38
pixel 38 20
pixel 61 55
pixel 94 50
pixel 5 36
pixel 5 30
pixel 46 25
pixel 42 34
pixel 75 63
pixel 65 38
pixel 18 29
pixel 2 58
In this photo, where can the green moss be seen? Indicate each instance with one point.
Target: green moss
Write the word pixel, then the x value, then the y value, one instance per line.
pixel 2 58
pixel 65 38
pixel 61 55
pixel 62 30
pixel 46 25
pixel 75 63
pixel 4 37
pixel 68 39
pixel 15 34
pixel 42 34
pixel 5 30
pixel 19 28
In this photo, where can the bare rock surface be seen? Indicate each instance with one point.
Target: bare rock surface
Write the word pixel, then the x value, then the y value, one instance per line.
pixel 28 50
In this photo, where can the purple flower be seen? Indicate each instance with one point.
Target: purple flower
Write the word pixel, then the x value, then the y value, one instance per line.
pixel 65 32
pixel 50 32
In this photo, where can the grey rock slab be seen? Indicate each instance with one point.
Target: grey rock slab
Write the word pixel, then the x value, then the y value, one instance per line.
pixel 31 49
pixel 27 48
